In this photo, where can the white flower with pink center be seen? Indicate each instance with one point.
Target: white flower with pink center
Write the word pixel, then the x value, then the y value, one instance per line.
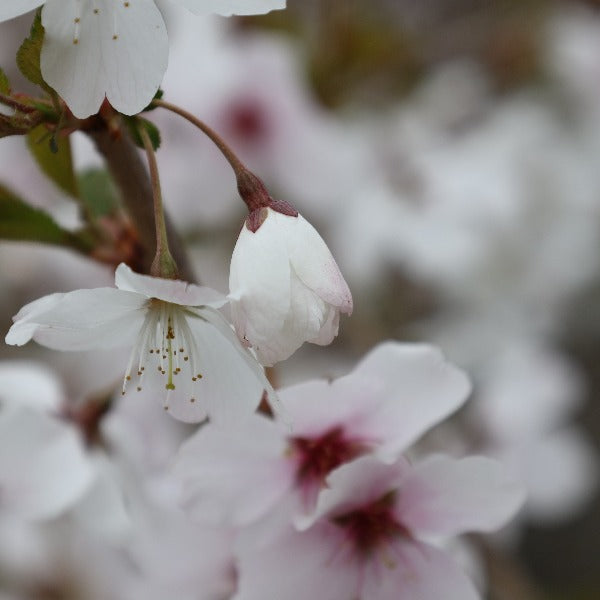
pixel 181 343
pixel 394 395
pixel 370 535
pixel 116 49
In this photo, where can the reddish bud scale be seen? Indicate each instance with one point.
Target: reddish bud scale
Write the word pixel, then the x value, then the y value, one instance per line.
pixel 257 199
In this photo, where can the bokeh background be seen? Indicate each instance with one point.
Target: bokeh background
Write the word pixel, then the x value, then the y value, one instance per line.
pixel 449 153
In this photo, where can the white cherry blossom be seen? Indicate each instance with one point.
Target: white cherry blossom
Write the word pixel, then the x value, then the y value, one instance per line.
pixel 285 286
pixel 181 343
pixel 117 49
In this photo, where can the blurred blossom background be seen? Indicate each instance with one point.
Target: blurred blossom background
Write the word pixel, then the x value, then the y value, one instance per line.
pixel 448 151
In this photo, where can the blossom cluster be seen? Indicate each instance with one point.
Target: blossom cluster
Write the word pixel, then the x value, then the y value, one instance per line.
pixel 191 443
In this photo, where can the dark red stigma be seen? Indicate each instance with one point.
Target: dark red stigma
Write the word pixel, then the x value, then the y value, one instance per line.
pixel 317 457
pixel 372 526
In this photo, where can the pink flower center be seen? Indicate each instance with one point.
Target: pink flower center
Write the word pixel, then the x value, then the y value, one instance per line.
pixel 372 527
pixel 318 456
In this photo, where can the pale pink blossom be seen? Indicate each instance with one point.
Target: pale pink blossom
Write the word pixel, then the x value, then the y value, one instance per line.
pixel 394 395
pixel 370 537
pixel 285 286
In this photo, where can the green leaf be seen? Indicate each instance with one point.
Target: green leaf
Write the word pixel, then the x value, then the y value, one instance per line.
pixel 4 83
pixel 28 55
pixel 98 193
pixel 21 222
pixel 53 155
pixel 134 123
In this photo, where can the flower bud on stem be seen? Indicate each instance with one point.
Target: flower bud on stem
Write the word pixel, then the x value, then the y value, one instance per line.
pixel 163 264
pixel 250 187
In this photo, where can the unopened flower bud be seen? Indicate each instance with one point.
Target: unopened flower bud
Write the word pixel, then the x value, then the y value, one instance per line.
pixel 285 286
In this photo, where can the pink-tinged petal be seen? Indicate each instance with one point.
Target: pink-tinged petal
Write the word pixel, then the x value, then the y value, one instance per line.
pixel 444 497
pixel 299 566
pixel 410 570
pixel 43 466
pixel 316 406
pixel 232 382
pixel 13 8
pixel 80 320
pixel 169 290
pixel 115 49
pixel 227 8
pixel 392 397
pixel 314 263
pixel 417 390
pixel 354 485
pixel 233 475
pixel 24 383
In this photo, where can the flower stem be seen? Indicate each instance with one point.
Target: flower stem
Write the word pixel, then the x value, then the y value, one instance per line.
pixel 251 188
pixel 19 106
pixel 163 264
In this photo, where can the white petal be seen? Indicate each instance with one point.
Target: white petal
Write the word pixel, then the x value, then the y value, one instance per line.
pixel 43 466
pixel 80 320
pixel 169 290
pixel 227 8
pixel 13 8
pixel 25 383
pixel 307 315
pixel 232 382
pixel 117 49
pixel 416 571
pixel 259 283
pixel 233 474
pixel 314 263
pixel 445 497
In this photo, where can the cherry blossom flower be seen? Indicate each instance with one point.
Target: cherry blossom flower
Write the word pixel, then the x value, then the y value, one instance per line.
pixel 285 286
pixel 372 530
pixel 181 343
pixel 393 396
pixel 98 48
